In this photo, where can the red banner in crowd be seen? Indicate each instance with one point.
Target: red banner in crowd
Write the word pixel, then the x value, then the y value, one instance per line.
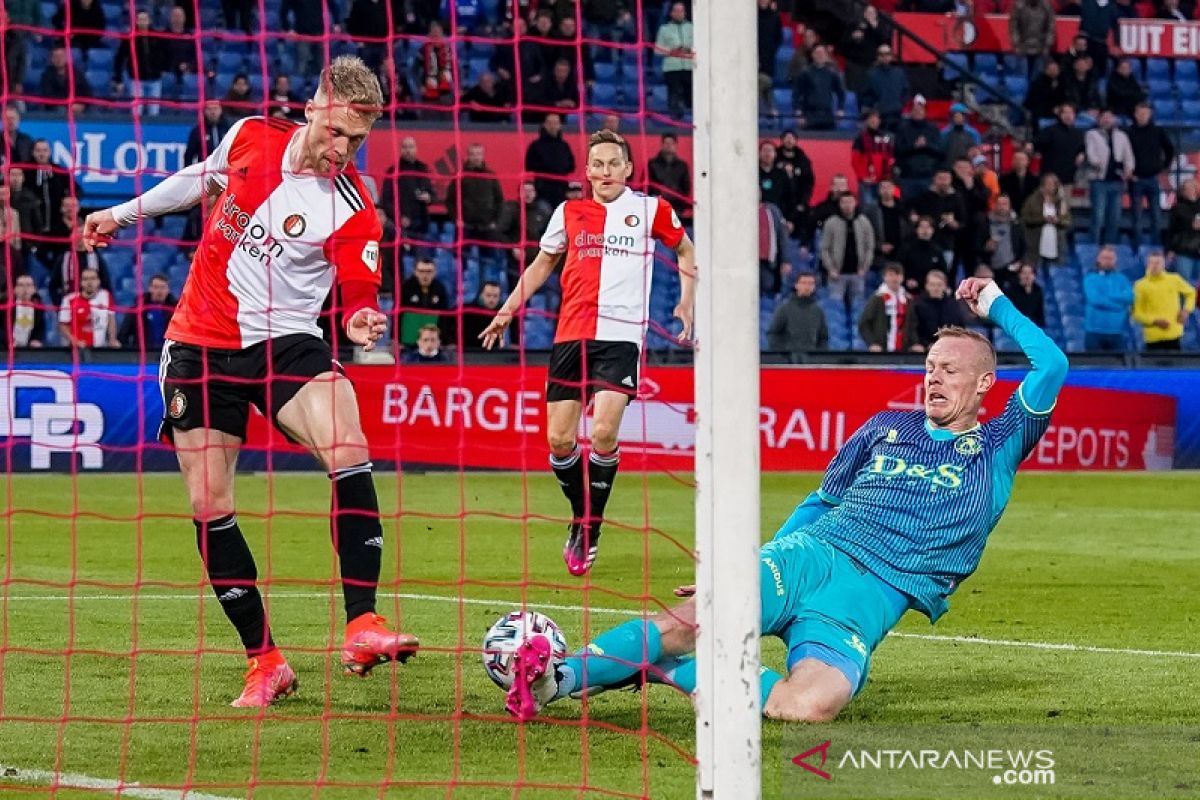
pixel 1159 37
pixel 494 417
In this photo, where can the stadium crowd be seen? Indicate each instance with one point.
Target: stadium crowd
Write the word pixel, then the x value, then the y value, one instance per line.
pixel 862 264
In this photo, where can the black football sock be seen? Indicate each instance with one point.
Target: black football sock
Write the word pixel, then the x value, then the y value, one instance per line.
pixel 569 470
pixel 232 573
pixel 602 471
pixel 357 537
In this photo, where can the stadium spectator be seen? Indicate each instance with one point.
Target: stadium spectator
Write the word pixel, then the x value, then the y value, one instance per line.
pixel 817 90
pixel 238 101
pixel 881 324
pixel 570 49
pixel 87 25
pixel 1031 30
pixel 282 102
pixel 798 325
pixel 1081 87
pixel 611 18
pixel 486 101
pixel 416 15
pixel 958 137
pixel 887 89
pixel 368 20
pixel 946 207
pixel 574 190
pixel 549 160
pixel 920 255
pixel 16 52
pixel 409 183
pixel 478 314
pixel 1077 49
pixel 1005 240
pixel 422 297
pixel 560 89
pixel 1027 295
pixel 1061 147
pixel 795 163
pixel 67 257
pixel 63 81
pixel 1169 9
pixel 670 176
pixel 1098 22
pixel 889 220
pixel 389 253
pixel 774 186
pixel 1107 302
pixel 934 309
pixel 773 262
pixel 87 318
pixel 1162 303
pixel 872 155
pixel 1183 231
pixel 49 184
pixel 1124 93
pixel 521 224
pixel 1110 166
pixel 434 58
pixel 975 199
pixel 1153 154
pixel 860 48
pixel 1046 92
pixel 675 42
pixel 428 349
pixel 178 46
pixel 523 58
pixel 28 319
pixel 304 21
pixel 140 57
pixel 847 251
pixel 1019 182
pixel 474 199
pixel 12 259
pixel 839 185
pixel 918 151
pixel 987 176
pixel 28 208
pixel 1047 219
pixel 145 328
pixel 611 122
pixel 16 147
pixel 396 89
pixel 802 55
pixel 208 133
pixel 770 39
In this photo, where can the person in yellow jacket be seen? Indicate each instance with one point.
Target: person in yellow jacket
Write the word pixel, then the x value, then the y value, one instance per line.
pixel 1162 302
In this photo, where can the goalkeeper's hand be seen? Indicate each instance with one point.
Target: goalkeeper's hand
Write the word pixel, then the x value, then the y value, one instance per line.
pixel 98 229
pixel 970 291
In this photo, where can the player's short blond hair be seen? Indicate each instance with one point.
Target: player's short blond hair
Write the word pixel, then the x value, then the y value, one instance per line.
pixel 606 136
pixel 959 332
pixel 349 80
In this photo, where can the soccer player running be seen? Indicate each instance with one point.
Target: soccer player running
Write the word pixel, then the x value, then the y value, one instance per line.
pixel 899 522
pixel 609 245
pixel 291 213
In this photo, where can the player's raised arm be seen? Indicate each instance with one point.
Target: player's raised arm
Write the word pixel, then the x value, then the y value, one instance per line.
pixel 1039 391
pixel 177 192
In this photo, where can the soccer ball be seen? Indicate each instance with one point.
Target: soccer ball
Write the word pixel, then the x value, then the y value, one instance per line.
pixel 510 632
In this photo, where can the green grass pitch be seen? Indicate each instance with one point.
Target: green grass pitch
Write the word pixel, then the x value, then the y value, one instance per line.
pixel 1108 562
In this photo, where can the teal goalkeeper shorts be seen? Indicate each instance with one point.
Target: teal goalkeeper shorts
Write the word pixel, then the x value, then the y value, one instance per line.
pixel 825 605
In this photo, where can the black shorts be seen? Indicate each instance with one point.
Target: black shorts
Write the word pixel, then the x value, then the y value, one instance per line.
pixel 577 373
pixel 206 387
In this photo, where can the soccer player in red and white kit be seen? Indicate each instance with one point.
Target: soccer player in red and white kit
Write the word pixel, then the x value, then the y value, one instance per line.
pixel 609 245
pixel 291 214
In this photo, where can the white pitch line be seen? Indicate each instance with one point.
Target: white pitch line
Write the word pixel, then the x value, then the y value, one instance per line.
pixel 71 780
pixel 628 612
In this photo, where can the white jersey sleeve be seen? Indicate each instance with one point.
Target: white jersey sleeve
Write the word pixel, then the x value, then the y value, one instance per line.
pixel 184 189
pixel 554 240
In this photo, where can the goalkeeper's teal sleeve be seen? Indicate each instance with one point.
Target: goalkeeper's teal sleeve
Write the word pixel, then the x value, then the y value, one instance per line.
pixel 809 511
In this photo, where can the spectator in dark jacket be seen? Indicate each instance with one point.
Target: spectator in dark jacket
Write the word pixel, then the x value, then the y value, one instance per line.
pixel 1026 294
pixel 178 45
pixel 918 151
pixel 1080 87
pixel 881 325
pixel 549 159
pixel 1061 147
pixel 1183 231
pixel 920 255
pixel 860 47
pixel 1124 92
pixel 795 163
pixel 1018 183
pixel 1046 92
pixel 1031 31
pixel 770 38
pixel 933 310
pixel 478 314
pixel 818 88
pixel 86 15
pixel 522 223
pixel 773 263
pixel 141 58
pixel 887 88
pixel 773 183
pixel 367 19
pixel 487 101
pixel 238 101
pixel 474 200
pixel 1153 154
pixel 207 135
pixel 670 176
pixel 145 328
pixel 15 145
pixel 945 206
pixel 1098 22
pixel 890 221
pixel 408 192
pixel 798 325
pixel 420 299
pixel 60 82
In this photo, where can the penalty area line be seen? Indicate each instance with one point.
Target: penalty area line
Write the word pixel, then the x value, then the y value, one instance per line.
pixel 627 612
pixel 72 780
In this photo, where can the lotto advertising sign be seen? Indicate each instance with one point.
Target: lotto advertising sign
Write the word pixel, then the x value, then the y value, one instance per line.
pixel 493 417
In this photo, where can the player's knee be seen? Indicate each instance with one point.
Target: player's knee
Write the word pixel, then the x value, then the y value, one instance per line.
pixel 677 629
pixel 604 436
pixel 211 503
pixel 787 705
pixel 561 443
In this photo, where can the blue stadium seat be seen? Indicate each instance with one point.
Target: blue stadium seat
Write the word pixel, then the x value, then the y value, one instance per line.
pixel 1166 111
pixel 783 101
pixel 949 73
pixel 1160 87
pixel 986 63
pixel 1158 68
pixel 1191 111
pixel 604 95
pixel 783 62
pixel 605 72
pixel 851 106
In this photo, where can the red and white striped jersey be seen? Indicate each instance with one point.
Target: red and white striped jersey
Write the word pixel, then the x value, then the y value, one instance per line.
pixel 272 242
pixel 610 264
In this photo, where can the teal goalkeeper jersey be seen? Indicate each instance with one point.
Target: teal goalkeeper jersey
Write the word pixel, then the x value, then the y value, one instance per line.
pixel 915 504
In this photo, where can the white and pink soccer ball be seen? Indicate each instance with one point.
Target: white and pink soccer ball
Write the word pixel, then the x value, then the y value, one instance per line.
pixel 510 632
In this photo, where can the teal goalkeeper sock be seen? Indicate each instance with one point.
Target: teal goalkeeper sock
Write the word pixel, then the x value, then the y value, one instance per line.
pixel 681 673
pixel 767 679
pixel 613 657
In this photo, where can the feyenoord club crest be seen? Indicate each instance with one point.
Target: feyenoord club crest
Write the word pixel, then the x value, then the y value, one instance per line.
pixel 178 405
pixel 294 225
pixel 632 221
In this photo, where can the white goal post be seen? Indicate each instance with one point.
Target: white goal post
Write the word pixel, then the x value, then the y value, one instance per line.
pixel 728 718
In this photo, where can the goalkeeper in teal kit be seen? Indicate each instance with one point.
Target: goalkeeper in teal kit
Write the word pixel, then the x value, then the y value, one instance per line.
pixel 900 521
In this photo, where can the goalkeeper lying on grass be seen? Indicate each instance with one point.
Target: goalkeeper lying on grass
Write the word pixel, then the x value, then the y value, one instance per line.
pixel 900 521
